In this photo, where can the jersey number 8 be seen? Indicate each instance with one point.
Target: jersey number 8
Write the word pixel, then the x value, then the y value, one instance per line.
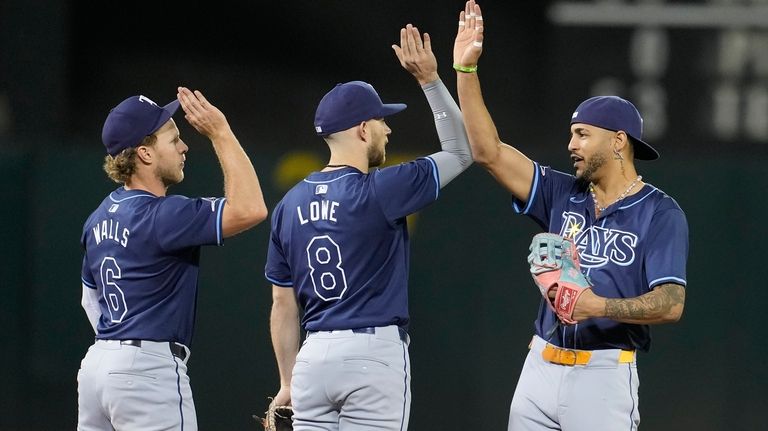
pixel 324 260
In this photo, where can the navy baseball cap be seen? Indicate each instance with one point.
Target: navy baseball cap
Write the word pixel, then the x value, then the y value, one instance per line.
pixel 614 113
pixel 349 104
pixel 133 119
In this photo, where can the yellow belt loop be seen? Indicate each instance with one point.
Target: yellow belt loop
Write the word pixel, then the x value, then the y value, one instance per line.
pixel 627 356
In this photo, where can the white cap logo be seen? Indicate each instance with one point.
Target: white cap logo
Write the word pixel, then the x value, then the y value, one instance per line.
pixel 146 99
pixel 575 114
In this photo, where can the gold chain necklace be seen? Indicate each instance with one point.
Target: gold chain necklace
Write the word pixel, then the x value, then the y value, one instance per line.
pixel 621 196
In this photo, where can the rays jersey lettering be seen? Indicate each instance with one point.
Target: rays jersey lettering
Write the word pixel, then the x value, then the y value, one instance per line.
pixel 598 245
pixel 634 246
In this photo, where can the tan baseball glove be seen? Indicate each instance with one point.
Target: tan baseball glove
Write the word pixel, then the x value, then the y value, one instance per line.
pixel 276 418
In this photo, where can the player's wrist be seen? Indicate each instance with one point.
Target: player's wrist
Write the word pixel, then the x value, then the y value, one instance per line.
pixel 464 68
pixel 223 135
pixel 592 306
pixel 427 78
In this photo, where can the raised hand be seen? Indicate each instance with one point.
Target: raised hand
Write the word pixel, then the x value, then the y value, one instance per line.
pixel 416 55
pixel 469 38
pixel 201 114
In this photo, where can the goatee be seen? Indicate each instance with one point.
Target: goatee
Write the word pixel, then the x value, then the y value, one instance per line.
pixel 593 164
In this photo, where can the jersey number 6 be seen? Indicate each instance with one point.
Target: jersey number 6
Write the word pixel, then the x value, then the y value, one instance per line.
pixel 114 296
pixel 324 260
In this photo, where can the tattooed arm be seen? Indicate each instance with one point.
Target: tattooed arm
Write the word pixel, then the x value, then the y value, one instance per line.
pixel 664 304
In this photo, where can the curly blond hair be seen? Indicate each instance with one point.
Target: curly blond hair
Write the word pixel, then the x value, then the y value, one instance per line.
pixel 122 166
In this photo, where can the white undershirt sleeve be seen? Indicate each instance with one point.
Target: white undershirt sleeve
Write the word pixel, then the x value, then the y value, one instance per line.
pixel 90 303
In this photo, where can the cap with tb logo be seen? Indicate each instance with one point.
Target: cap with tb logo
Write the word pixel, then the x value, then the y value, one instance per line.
pixel 133 119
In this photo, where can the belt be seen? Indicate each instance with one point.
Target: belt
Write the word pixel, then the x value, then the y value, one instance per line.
pixel 571 357
pixel 177 350
pixel 372 330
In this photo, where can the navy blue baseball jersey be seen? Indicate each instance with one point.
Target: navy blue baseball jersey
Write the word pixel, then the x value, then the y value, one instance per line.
pixel 142 253
pixel 340 239
pixel 636 244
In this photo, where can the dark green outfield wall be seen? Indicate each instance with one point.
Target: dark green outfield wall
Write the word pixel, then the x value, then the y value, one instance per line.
pixel 472 302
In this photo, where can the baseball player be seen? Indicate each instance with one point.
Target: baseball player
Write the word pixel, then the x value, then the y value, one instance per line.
pixel 633 244
pixel 141 263
pixel 339 251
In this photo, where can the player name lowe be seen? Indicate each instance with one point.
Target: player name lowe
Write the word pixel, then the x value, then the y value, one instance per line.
pixel 322 210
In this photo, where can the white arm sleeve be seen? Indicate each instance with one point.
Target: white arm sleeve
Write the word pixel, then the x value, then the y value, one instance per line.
pixel 90 303
pixel 456 155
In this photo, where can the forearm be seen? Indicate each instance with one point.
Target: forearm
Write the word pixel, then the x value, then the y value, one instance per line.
pixel 284 326
pixel 511 168
pixel 481 131
pixel 456 155
pixel 662 305
pixel 245 206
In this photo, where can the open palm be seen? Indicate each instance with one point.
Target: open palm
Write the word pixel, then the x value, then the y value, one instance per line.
pixel 416 55
pixel 469 38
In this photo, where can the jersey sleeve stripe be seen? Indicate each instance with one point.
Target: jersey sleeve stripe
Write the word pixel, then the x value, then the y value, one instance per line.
pixel 532 194
pixel 436 175
pixel 288 283
pixel 219 228
pixel 87 283
pixel 663 280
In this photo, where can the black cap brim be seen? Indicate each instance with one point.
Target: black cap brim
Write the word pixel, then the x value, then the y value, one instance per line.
pixel 643 151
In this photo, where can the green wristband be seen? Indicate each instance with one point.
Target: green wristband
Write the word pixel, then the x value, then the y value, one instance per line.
pixel 465 69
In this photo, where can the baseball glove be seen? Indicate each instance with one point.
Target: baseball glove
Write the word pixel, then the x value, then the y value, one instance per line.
pixel 554 263
pixel 276 418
